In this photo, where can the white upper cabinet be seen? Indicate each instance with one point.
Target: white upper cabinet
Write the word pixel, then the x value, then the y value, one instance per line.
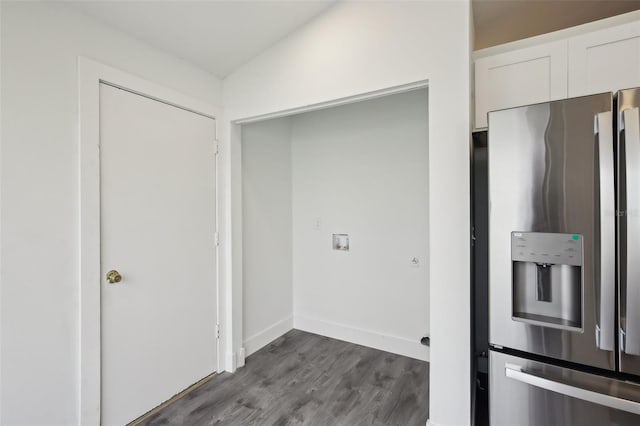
pixel 605 61
pixel 521 77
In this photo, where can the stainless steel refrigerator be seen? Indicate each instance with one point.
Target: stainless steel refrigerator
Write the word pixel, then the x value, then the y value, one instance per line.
pixel 564 262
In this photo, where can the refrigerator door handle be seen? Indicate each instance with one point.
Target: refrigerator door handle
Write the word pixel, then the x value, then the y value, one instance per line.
pixel 605 329
pixel 630 122
pixel 516 372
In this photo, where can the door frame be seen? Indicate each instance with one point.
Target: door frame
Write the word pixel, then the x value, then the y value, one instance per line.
pixel 90 75
pixel 234 345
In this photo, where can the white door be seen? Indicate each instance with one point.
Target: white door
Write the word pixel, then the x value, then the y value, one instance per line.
pixel 158 215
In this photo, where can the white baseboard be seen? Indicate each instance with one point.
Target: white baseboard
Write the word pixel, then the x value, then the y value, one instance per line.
pixel 241 357
pixel 268 335
pixel 230 362
pixel 372 339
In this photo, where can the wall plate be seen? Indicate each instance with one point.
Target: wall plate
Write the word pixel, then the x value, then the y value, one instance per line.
pixel 341 242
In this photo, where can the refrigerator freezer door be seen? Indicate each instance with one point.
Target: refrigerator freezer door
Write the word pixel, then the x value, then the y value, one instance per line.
pixel 551 172
pixel 628 104
pixel 530 393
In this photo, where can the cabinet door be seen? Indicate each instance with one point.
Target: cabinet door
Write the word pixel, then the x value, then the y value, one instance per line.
pixel 605 61
pixel 526 76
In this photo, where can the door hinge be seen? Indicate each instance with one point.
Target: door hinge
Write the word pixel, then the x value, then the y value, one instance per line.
pixel 216 239
pixel 216 147
pixel 217 331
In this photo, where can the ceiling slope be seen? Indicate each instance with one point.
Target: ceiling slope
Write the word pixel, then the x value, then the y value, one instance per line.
pixel 218 36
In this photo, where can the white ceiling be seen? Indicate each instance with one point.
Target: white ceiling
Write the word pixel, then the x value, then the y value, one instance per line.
pixel 221 35
pixel 501 21
pixel 218 36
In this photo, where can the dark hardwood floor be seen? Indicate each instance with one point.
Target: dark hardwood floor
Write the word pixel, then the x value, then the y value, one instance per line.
pixel 306 379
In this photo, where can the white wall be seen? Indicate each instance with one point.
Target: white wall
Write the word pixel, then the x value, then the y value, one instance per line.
pixel 267 239
pixel 39 177
pixel 359 47
pixel 351 49
pixel 361 169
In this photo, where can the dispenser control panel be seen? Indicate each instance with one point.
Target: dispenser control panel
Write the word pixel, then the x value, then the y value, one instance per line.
pixel 550 248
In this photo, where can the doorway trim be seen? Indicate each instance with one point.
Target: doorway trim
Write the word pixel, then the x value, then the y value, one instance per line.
pixel 90 75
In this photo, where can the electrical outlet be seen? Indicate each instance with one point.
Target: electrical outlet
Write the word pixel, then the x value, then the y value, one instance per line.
pixel 317 224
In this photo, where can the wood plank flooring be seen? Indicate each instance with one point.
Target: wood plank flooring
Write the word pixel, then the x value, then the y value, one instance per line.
pixel 306 379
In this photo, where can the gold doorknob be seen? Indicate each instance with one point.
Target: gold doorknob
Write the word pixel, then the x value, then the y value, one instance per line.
pixel 113 277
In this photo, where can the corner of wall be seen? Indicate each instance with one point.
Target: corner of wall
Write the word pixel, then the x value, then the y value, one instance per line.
pixel 259 340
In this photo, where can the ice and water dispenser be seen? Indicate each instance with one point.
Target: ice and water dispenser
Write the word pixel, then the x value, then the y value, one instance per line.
pixel 547 280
